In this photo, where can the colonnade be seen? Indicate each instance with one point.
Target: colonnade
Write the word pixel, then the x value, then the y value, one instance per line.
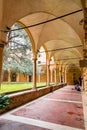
pixel 55 75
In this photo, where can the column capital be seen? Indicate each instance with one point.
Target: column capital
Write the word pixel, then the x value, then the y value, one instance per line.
pixel 34 58
pixel 1 45
pixel 85 19
pixel 48 63
pixel 85 12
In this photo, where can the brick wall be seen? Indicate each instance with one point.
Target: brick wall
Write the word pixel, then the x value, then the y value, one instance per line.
pixel 22 78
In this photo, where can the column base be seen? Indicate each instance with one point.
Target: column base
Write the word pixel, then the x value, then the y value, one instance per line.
pixel 48 85
pixel 33 88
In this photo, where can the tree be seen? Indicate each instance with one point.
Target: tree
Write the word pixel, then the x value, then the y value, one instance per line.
pixel 17 53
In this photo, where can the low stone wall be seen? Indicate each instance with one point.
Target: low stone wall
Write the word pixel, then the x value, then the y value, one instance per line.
pixel 20 98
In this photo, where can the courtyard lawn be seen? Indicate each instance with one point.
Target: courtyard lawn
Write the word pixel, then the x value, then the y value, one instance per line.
pixel 10 87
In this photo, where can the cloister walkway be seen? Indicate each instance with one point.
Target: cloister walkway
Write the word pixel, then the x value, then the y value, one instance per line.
pixel 59 110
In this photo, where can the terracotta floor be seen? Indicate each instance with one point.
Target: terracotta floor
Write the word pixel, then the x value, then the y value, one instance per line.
pixel 59 110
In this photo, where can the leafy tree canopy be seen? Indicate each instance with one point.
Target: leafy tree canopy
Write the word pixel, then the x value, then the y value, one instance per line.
pixel 17 53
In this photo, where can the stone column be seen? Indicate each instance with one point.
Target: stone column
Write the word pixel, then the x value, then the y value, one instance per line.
pixel 34 73
pixel 55 76
pixel 56 73
pixel 59 73
pixel 65 77
pixel 48 73
pixel 39 75
pixel 51 75
pixel 82 75
pixel 17 77
pixel 63 73
pixel 9 75
pixel 85 51
pixel 1 61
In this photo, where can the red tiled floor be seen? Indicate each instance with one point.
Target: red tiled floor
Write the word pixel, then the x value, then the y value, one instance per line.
pixel 61 113
pixel 64 113
pixel 69 90
pixel 65 96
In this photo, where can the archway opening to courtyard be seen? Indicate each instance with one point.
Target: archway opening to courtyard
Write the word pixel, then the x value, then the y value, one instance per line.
pixel 18 61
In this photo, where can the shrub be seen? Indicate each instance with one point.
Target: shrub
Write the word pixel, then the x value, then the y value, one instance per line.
pixel 4 101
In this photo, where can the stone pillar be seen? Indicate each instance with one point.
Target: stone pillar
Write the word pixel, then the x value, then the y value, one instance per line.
pixel 59 73
pixel 65 79
pixel 48 73
pixel 39 75
pixel 34 73
pixel 63 73
pixel 82 75
pixel 51 75
pixel 56 73
pixel 9 75
pixel 17 77
pixel 1 61
pixel 85 51
pixel 55 76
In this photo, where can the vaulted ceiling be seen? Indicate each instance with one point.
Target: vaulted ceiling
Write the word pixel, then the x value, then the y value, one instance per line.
pixel 64 32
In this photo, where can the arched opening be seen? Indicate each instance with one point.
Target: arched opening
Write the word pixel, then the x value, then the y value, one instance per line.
pixel 17 61
pixel 18 53
pixel 73 72
pixel 41 64
pixel 13 77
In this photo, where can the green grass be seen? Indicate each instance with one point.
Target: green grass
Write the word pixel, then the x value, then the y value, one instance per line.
pixel 10 87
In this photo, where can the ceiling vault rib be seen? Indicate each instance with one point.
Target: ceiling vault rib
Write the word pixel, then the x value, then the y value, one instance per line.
pixel 69 58
pixel 59 49
pixel 37 24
